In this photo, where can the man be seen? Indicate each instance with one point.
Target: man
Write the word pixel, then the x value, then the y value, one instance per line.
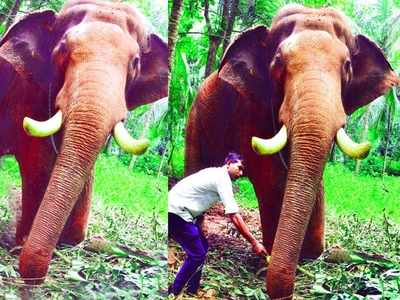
pixel 187 201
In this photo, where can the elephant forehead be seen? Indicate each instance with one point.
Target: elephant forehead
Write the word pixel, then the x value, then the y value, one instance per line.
pixel 299 40
pixel 312 41
pixel 91 29
pixel 94 34
pixel 125 16
pixel 327 19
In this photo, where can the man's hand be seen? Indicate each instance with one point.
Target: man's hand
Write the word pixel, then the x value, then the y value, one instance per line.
pixel 259 249
pixel 245 232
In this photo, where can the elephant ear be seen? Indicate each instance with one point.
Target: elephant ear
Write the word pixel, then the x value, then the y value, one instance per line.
pixel 244 63
pixel 372 75
pixel 27 45
pixel 151 83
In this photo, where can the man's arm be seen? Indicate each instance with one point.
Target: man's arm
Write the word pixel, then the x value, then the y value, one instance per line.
pixel 237 220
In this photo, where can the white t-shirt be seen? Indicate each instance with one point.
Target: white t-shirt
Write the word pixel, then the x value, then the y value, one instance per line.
pixel 194 194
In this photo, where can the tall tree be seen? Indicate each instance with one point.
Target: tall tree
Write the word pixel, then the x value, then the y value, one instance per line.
pixel 217 35
pixel 13 13
pixel 176 12
pixel 233 8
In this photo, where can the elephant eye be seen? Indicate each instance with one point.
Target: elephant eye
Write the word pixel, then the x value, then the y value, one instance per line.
pixel 347 70
pixel 135 67
pixel 135 63
pixel 277 66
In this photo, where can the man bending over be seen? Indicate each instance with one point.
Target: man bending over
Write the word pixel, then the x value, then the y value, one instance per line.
pixel 187 202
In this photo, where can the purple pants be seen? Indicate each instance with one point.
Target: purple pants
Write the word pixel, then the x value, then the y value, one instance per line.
pixel 193 241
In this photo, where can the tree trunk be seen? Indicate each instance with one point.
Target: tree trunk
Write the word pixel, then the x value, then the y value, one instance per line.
pixel 3 17
pixel 363 137
pixel 13 13
pixel 215 38
pixel 387 135
pixel 230 23
pixel 212 52
pixel 109 145
pixel 173 28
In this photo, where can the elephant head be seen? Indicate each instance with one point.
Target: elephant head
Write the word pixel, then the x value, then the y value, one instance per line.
pixel 81 70
pixel 306 73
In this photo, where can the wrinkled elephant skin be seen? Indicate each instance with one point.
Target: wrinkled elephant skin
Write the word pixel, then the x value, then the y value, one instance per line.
pixel 93 61
pixel 305 73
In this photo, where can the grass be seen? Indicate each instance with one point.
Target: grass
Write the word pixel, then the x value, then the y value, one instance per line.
pixel 364 195
pixel 129 211
pixel 9 174
pixel 137 192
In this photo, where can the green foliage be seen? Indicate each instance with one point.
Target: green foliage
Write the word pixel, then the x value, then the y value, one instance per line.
pixel 9 174
pixel 244 192
pixel 137 192
pixel 177 162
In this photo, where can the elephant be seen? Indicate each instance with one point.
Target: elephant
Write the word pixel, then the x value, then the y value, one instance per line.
pixel 68 80
pixel 280 97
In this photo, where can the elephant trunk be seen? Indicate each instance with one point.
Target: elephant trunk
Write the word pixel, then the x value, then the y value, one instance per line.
pixel 311 134
pixel 87 125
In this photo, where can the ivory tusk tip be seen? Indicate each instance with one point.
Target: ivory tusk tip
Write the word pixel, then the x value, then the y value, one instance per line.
pixel 31 129
pixel 42 128
pixel 142 146
pixel 349 147
pixel 127 143
pixel 25 125
pixel 255 145
pixel 363 150
pixel 272 145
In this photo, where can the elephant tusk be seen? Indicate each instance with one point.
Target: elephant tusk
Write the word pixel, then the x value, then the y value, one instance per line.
pixel 127 143
pixel 350 147
pixel 43 128
pixel 272 145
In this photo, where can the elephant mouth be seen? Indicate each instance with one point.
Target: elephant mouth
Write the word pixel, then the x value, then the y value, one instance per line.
pixel 277 143
pixel 54 124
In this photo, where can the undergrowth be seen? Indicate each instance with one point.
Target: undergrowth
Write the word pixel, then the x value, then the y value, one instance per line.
pixel 235 273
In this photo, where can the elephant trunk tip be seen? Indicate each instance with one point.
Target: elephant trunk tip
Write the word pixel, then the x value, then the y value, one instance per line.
pixel 33 265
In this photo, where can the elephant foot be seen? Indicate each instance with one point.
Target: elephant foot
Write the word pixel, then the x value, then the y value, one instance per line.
pixel 280 283
pixel 310 255
pixel 73 234
pixel 312 250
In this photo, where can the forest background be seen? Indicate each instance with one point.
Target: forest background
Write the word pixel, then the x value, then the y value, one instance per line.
pixel 129 205
pixel 362 197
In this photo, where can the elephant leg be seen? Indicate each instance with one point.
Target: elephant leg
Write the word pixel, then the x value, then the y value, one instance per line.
pixel 270 202
pixel 74 230
pixel 269 189
pixel 193 147
pixel 314 240
pixel 35 168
